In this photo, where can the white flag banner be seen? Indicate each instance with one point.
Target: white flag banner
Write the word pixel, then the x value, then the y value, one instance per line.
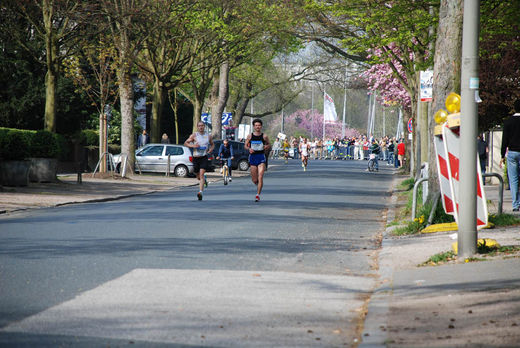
pixel 329 110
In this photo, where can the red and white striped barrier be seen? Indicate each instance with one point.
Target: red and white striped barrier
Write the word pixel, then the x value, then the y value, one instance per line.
pixel 452 149
pixel 448 201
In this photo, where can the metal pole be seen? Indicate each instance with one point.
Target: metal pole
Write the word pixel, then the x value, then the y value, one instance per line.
pixel 312 97
pixel 467 234
pixel 344 106
pixel 384 121
pixel 344 112
pixel 324 115
pixel 283 125
pixel 369 114
pixel 312 111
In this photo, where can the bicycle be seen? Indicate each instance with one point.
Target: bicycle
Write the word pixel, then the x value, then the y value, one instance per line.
pixel 372 162
pixel 225 171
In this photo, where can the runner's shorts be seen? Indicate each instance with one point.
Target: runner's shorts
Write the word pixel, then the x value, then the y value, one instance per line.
pixel 200 163
pixel 256 158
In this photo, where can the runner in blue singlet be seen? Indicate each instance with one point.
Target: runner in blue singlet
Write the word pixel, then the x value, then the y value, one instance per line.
pixel 257 144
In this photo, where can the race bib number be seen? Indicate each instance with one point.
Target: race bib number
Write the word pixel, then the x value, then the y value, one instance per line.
pixel 257 145
pixel 200 151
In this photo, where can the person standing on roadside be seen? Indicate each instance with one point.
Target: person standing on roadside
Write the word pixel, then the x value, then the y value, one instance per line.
pixel 483 151
pixel 257 143
pixel 391 149
pixel 511 145
pixel 400 153
pixel 202 144
pixel 165 139
pixel 276 148
pixel 143 139
pixel 319 148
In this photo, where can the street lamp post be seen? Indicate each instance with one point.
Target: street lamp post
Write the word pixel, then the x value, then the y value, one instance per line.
pixel 467 233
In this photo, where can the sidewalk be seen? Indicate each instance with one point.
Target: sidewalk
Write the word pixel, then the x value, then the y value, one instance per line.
pixel 92 189
pixel 475 304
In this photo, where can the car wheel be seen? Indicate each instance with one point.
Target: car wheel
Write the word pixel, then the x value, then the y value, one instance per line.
pixel 243 165
pixel 181 171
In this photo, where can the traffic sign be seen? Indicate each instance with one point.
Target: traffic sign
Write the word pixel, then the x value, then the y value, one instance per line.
pixel 227 117
pixel 409 125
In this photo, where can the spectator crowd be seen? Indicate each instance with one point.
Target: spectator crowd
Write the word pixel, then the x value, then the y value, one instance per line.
pixel 388 149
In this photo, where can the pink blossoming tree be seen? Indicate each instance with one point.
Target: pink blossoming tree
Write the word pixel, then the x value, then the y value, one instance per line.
pixel 309 123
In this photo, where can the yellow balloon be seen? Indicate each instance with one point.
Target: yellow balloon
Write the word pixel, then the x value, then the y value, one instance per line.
pixel 453 103
pixel 440 116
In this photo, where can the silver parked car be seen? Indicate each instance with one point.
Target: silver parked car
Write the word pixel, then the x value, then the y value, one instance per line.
pixel 154 158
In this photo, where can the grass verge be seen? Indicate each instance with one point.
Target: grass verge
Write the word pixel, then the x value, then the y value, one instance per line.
pixel 423 212
pixel 484 253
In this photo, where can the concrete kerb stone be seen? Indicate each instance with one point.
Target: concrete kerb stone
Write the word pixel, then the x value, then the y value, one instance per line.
pixel 9 204
pixel 374 330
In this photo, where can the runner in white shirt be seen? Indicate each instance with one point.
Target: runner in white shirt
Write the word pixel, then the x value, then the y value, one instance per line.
pixel 304 151
pixel 202 144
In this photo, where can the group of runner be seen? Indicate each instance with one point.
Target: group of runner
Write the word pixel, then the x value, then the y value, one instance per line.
pixel 257 143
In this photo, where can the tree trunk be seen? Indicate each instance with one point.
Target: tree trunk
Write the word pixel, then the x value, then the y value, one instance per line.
pixel 126 95
pixel 446 73
pixel 103 146
pixel 223 95
pixel 240 111
pixel 242 105
pixel 158 100
pixel 197 111
pixel 213 101
pixel 50 100
pixel 51 50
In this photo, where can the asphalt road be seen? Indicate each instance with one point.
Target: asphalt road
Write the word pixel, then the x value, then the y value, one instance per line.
pixel 166 269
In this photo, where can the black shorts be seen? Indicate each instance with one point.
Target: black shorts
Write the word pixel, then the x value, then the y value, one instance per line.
pixel 200 163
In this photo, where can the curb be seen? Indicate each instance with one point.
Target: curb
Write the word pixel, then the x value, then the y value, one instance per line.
pixel 374 330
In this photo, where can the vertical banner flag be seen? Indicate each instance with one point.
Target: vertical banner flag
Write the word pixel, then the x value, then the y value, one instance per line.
pixel 426 78
pixel 329 110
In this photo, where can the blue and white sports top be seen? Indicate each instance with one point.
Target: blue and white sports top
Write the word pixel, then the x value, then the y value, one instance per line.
pixel 203 142
pixel 257 143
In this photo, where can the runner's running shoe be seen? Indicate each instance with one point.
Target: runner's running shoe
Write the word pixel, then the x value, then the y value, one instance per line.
pixel 199 196
pixel 257 198
pixel 205 181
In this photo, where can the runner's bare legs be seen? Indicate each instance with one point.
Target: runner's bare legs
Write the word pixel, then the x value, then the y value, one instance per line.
pixel 257 176
pixel 200 177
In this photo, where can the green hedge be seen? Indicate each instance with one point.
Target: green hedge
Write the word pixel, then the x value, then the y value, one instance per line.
pixel 14 144
pixel 19 144
pixel 44 144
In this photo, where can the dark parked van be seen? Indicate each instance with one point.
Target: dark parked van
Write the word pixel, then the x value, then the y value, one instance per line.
pixel 241 156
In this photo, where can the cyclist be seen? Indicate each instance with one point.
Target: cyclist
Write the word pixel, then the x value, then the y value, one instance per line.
pixel 375 149
pixel 225 152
